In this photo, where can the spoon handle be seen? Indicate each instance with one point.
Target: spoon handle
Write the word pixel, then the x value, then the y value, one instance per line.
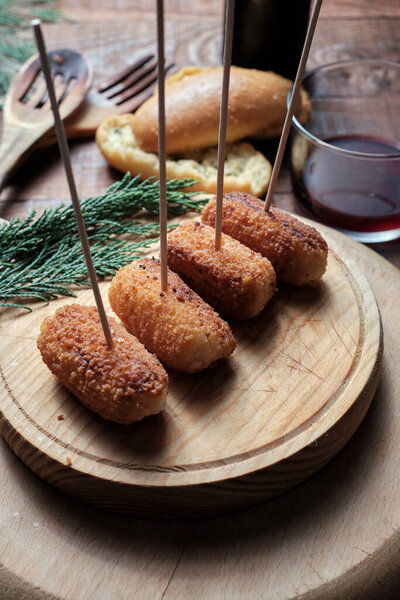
pixel 17 144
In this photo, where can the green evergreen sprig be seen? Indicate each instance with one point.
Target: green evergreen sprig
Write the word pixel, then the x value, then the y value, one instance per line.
pixel 42 258
pixel 15 16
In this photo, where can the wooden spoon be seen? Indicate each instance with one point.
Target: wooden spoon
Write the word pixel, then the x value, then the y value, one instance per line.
pixel 27 114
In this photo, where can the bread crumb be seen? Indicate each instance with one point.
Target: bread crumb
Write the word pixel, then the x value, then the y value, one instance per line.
pixel 69 462
pixel 60 417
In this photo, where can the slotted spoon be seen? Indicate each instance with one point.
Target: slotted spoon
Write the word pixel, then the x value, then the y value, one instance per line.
pixel 27 113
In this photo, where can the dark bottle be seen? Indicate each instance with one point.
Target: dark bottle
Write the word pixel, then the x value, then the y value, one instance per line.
pixel 269 34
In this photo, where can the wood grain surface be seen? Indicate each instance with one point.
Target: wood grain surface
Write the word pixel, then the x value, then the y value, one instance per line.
pixel 230 436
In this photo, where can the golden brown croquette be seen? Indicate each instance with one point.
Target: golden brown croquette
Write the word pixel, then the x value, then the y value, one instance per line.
pixel 177 325
pixel 123 384
pixel 236 281
pixel 297 251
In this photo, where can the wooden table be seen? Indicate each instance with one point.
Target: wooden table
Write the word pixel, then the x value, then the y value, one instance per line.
pixel 310 543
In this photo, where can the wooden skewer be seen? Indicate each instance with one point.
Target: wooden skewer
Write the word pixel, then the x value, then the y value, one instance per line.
pixel 162 146
pixel 63 146
pixel 223 118
pixel 292 104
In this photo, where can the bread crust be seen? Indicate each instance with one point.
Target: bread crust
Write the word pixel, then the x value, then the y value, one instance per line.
pixel 236 281
pixel 122 384
pixel 297 251
pixel 245 169
pixel 177 325
pixel 257 107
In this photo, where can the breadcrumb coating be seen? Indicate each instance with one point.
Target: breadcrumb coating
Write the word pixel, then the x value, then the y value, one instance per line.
pixel 236 281
pixel 177 325
pixel 297 251
pixel 123 384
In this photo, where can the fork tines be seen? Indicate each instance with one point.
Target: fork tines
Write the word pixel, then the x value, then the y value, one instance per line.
pixel 139 77
pixel 126 72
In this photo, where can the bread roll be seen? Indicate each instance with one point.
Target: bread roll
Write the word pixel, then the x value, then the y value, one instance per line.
pixel 297 251
pixel 177 325
pixel 123 384
pixel 236 281
pixel 257 107
pixel 245 169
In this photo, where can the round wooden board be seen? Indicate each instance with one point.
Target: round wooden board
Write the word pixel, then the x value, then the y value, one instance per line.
pixel 295 390
pixel 335 536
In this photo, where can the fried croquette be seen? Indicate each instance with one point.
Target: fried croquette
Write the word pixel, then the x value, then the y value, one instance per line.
pixel 177 325
pixel 236 281
pixel 123 384
pixel 297 251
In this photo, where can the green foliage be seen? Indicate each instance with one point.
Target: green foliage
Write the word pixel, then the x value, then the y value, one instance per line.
pixel 15 16
pixel 41 258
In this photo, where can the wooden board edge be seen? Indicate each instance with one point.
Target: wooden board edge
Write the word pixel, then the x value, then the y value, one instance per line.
pixel 198 500
pixel 224 472
pixel 248 486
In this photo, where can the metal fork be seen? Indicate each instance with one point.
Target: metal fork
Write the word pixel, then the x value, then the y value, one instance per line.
pixel 123 94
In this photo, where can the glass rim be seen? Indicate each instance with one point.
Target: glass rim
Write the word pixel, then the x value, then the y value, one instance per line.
pixel 336 149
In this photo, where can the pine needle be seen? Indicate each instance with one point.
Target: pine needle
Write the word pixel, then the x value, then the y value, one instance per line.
pixel 42 258
pixel 15 16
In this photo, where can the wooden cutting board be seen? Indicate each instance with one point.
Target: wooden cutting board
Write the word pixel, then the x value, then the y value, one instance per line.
pixel 297 387
pixel 335 536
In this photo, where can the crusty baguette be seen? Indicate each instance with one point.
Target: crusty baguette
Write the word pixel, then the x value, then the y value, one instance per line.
pixel 297 251
pixel 236 281
pixel 123 384
pixel 177 325
pixel 257 107
pixel 246 169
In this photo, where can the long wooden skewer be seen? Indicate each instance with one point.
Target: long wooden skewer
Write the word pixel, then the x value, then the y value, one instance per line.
pixel 62 143
pixel 292 104
pixel 162 146
pixel 223 118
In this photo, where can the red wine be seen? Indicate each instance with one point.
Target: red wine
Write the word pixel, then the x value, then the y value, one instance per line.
pixel 348 192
